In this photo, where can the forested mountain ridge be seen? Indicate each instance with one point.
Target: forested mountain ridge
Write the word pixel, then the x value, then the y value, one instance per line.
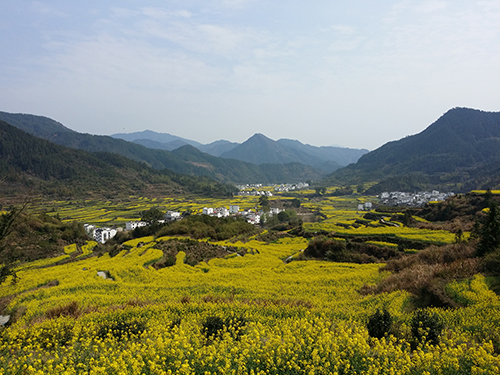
pixel 30 165
pixel 224 170
pixel 449 150
pixel 259 149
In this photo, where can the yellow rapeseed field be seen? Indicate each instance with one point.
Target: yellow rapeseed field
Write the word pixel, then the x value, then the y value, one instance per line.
pixel 302 317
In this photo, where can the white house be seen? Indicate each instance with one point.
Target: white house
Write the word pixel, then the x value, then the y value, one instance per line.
pixel 89 228
pixel 221 212
pixel 207 211
pixel 234 209
pixel 101 235
pixel 131 225
pixel 275 210
pixel 172 215
pixel 368 206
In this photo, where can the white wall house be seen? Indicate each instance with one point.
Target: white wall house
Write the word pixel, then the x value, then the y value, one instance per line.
pixel 207 211
pixel 221 212
pixel 89 228
pixel 131 225
pixel 234 209
pixel 274 211
pixel 101 235
pixel 172 215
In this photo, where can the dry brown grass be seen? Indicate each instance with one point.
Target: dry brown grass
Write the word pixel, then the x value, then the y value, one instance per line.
pixel 426 273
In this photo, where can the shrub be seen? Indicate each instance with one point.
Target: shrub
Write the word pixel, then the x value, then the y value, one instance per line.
pixel 212 326
pixel 379 324
pixel 72 309
pixel 426 327
pixel 122 327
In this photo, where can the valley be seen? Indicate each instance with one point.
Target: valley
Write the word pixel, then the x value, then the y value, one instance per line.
pixel 334 277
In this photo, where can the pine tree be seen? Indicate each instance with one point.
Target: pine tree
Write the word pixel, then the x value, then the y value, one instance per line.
pixel 489 231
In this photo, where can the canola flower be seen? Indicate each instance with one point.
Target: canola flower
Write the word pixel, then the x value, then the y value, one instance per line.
pixel 277 317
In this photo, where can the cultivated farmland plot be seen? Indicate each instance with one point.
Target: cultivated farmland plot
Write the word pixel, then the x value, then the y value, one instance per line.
pixel 243 314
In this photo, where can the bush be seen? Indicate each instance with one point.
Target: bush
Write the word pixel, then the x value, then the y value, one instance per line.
pixel 122 327
pixel 379 324
pixel 214 326
pixel 426 327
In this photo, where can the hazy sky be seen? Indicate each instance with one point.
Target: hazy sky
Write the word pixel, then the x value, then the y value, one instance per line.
pixel 353 73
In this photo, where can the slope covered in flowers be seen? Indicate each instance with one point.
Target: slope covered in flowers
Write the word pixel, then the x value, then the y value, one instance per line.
pixel 279 318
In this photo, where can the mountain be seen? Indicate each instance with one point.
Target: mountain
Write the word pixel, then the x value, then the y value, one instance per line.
pixel 34 166
pixel 236 170
pixel 218 147
pixel 340 155
pixel 185 162
pixel 259 149
pixel 451 150
pixel 157 138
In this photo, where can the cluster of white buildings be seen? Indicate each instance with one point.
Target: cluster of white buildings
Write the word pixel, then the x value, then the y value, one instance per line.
pixel 251 216
pixel 256 189
pixel 398 198
pixel 221 211
pixel 101 235
pixel 367 206
pixel 249 186
pixel 254 193
pixel 289 187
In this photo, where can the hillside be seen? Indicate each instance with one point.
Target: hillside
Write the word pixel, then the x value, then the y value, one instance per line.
pixel 181 162
pixel 259 149
pixel 151 139
pixel 236 170
pixel 218 147
pixel 451 150
pixel 30 165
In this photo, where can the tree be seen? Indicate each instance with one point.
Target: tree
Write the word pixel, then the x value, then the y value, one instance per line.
pixel 489 231
pixel 7 223
pixel 152 216
pixel 264 203
pixel 320 190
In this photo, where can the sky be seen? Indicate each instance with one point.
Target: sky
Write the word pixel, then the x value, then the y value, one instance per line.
pixel 325 72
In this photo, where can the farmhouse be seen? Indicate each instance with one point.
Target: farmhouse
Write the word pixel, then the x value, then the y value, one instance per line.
pixel 172 215
pixel 101 235
pixel 131 225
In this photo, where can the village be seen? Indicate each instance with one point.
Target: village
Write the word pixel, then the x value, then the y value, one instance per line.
pixel 418 199
pixel 101 235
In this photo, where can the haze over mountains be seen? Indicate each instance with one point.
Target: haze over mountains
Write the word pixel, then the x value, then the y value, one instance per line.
pixel 258 149
pixel 34 166
pixel 186 159
pixel 460 151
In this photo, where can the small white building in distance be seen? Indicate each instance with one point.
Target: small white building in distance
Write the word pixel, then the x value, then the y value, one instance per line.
pixel 207 211
pixel 172 215
pixel 221 212
pixel 89 228
pixel 101 235
pixel 234 209
pixel 131 225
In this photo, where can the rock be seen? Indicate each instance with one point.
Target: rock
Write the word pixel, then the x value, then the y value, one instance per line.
pixel 4 319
